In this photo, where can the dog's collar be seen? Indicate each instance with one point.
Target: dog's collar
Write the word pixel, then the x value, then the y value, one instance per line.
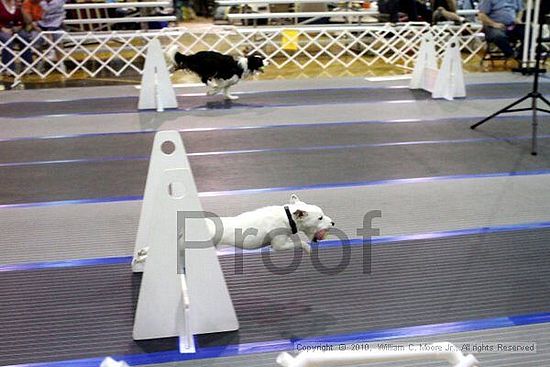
pixel 291 221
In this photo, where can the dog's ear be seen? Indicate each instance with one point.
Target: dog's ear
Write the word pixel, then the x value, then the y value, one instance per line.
pixel 294 199
pixel 300 214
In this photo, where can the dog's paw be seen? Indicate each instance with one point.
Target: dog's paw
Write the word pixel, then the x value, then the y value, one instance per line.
pixel 307 248
pixel 212 92
pixel 231 97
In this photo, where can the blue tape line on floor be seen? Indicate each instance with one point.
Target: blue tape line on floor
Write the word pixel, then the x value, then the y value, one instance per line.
pixel 335 185
pixel 278 150
pixel 241 106
pixel 275 126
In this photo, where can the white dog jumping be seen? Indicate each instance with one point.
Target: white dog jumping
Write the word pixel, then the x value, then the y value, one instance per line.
pixel 274 226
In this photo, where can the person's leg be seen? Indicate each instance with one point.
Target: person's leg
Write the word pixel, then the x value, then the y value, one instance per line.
pixel 55 40
pixel 390 7
pixel 449 15
pixel 423 12
pixel 26 43
pixel 516 34
pixel 7 53
pixel 499 38
pixel 409 7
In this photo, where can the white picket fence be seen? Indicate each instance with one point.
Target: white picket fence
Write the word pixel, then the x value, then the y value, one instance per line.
pixel 116 53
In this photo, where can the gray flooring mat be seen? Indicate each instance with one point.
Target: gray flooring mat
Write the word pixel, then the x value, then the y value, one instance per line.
pixel 73 181
pixel 256 100
pixel 109 228
pixel 538 334
pixel 64 125
pixel 290 136
pixel 250 86
pixel 50 315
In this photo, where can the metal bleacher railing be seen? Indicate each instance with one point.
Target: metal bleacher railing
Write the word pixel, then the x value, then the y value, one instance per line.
pixel 114 53
pixel 345 10
pixel 96 14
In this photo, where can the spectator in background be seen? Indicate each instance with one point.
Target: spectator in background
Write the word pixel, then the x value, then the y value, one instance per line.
pixel 502 24
pixel 12 23
pixel 394 7
pixel 32 13
pixel 415 10
pixel 445 10
pixel 53 16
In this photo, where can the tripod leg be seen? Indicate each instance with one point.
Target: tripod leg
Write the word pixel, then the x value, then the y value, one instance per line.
pixel 503 110
pixel 535 125
pixel 544 100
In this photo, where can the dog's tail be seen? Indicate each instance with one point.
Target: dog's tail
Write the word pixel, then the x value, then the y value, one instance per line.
pixel 169 56
pixel 175 59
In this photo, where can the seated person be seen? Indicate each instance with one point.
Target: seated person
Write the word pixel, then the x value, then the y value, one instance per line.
pixel 445 10
pixel 12 23
pixel 501 24
pixel 32 13
pixel 394 7
pixel 53 15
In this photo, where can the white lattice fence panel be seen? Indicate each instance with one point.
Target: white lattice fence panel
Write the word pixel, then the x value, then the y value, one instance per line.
pixel 115 53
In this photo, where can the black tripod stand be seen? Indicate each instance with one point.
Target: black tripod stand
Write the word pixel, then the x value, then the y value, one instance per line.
pixel 534 95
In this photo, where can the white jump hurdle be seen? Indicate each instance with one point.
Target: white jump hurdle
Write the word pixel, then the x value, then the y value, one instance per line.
pixel 425 70
pixel 156 91
pixel 446 82
pixel 450 79
pixel 440 351
pixel 183 290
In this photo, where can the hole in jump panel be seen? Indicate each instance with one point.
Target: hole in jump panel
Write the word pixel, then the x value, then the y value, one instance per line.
pixel 168 147
pixel 176 190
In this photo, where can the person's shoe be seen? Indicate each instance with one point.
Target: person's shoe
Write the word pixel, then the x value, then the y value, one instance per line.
pixel 51 56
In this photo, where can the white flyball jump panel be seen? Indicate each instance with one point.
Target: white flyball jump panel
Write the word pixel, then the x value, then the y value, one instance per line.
pixel 156 91
pixel 158 164
pixel 425 70
pixel 446 82
pixel 160 312
pixel 450 80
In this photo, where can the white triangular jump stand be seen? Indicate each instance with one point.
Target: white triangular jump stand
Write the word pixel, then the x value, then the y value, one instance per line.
pixel 425 70
pixel 177 298
pixel 156 91
pixel 450 80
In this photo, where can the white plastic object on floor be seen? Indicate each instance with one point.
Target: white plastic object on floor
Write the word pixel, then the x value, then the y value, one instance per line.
pixel 318 358
pixel 156 91
pixel 109 362
pixel 450 79
pixel 183 290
